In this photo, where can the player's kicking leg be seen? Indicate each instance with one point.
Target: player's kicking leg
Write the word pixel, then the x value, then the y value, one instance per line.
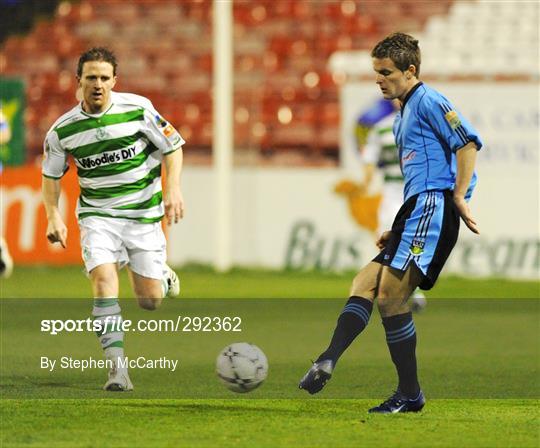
pixel 351 322
pixel 106 310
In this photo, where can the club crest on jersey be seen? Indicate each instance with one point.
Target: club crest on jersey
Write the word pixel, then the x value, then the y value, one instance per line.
pixel 417 247
pixel 453 119
pixel 101 134
pixel 160 121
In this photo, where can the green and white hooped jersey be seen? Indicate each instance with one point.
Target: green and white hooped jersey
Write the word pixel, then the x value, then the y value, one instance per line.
pixel 381 150
pixel 118 155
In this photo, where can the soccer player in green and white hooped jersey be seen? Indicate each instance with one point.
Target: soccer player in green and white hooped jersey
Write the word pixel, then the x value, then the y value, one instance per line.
pixel 119 142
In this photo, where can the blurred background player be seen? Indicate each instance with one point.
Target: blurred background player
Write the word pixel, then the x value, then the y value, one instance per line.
pixel 6 262
pixel 380 152
pixel 118 142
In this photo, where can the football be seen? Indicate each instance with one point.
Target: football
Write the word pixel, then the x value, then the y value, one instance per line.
pixel 241 367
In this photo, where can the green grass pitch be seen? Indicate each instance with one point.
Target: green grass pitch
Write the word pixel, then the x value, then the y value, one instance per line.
pixel 478 351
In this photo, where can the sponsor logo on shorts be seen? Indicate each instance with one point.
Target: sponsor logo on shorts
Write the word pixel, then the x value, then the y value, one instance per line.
pixel 453 119
pixel 417 247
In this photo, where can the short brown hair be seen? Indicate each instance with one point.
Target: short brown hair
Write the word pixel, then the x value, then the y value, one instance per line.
pixel 402 49
pixel 97 54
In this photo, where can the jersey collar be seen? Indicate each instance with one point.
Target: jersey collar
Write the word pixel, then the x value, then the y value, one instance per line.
pixel 111 104
pixel 411 92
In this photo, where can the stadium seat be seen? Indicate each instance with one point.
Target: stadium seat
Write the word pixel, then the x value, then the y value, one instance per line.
pixel 163 13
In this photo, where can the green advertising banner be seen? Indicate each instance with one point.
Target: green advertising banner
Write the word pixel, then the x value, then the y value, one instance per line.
pixel 12 103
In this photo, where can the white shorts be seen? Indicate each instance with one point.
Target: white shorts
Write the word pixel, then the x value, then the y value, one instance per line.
pixel 123 241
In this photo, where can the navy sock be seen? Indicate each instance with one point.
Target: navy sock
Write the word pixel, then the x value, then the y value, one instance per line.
pixel 351 322
pixel 401 340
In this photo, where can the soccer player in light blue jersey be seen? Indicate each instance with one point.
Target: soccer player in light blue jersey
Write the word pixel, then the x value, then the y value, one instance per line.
pixel 118 142
pixel 437 152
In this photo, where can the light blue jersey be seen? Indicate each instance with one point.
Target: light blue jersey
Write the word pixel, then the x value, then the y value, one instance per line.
pixel 428 132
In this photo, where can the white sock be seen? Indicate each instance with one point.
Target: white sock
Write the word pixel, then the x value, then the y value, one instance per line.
pixel 107 311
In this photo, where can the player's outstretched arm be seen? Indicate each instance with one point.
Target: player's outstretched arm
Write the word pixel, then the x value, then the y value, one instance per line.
pixel 172 195
pixel 56 229
pixel 466 159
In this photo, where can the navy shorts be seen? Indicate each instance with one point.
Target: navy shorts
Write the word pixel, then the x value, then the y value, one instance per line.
pixel 424 232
